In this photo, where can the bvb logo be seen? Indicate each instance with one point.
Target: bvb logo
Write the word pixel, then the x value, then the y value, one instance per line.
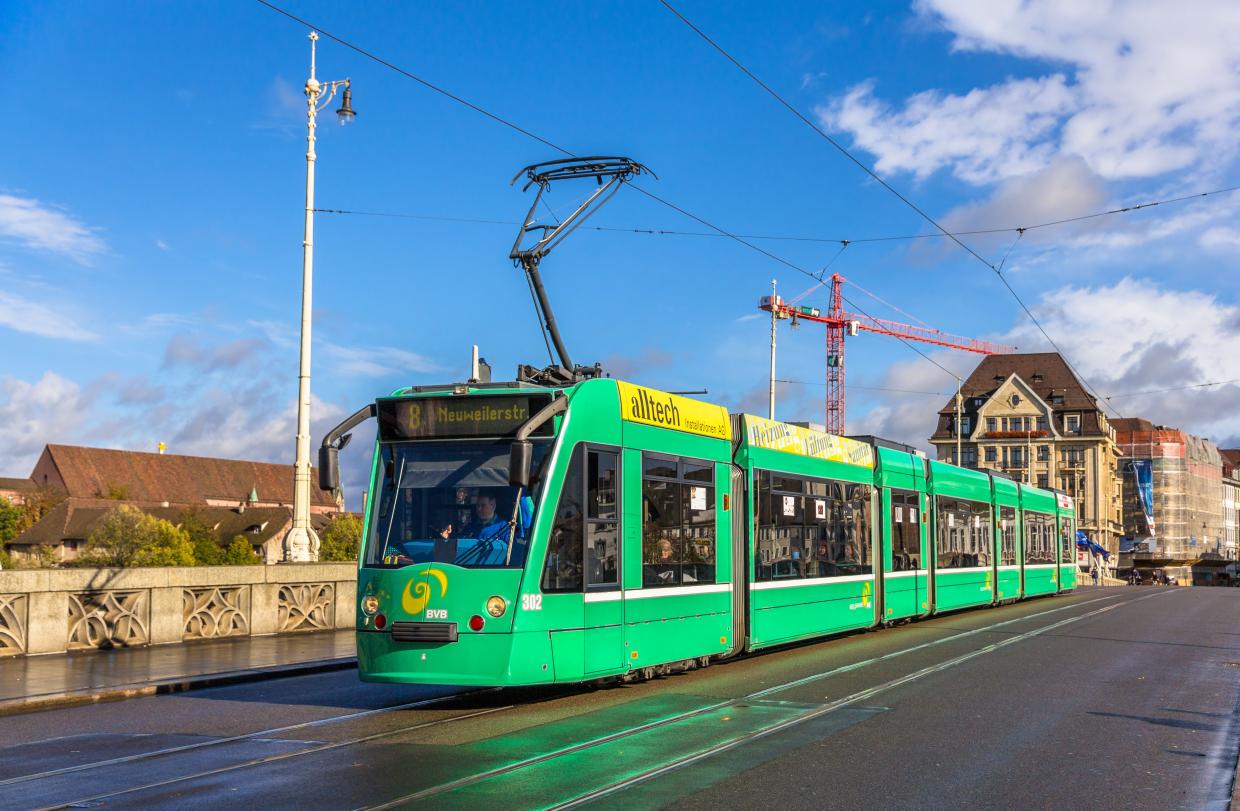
pixel 416 597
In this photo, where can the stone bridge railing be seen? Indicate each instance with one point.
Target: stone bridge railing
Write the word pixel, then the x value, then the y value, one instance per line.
pixel 57 610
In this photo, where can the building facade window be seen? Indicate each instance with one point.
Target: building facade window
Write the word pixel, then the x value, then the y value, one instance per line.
pixel 1044 453
pixel 1043 481
pixel 678 522
pixel 810 528
pixel 992 453
pixel 991 423
pixel 1042 424
pixel 966 425
pixel 968 457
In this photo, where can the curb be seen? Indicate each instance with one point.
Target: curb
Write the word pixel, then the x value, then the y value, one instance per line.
pixel 178 684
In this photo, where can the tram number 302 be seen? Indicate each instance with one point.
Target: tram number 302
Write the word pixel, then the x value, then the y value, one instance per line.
pixel 531 602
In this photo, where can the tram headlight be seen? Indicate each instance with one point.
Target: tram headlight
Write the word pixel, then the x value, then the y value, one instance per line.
pixel 370 605
pixel 496 606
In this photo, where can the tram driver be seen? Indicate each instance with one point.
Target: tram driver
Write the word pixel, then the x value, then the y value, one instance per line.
pixel 485 524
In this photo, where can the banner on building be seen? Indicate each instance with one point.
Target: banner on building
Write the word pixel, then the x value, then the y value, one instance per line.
pixel 1143 475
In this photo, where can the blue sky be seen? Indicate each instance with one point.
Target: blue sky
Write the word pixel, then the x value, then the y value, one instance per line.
pixel 150 204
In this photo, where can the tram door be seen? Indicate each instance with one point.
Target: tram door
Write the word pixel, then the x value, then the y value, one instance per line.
pixel 604 604
pixel 905 588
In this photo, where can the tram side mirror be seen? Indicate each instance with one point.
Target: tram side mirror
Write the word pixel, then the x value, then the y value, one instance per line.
pixel 519 461
pixel 526 514
pixel 329 468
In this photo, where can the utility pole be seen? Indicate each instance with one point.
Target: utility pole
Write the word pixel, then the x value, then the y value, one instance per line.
pixel 774 316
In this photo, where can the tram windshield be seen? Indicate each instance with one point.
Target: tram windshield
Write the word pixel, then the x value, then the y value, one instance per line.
pixel 450 502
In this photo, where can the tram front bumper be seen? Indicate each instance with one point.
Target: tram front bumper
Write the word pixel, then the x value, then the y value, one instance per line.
pixel 475 659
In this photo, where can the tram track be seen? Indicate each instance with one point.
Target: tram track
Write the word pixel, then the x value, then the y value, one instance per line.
pixel 559 753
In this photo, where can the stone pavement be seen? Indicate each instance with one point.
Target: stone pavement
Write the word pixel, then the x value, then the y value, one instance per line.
pixel 35 682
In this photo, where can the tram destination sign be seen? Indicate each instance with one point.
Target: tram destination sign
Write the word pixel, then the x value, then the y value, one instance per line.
pixel 459 417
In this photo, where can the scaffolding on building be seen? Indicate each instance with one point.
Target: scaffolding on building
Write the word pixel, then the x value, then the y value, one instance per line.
pixel 1172 491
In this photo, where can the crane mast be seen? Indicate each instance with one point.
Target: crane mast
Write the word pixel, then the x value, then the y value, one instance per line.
pixel 840 324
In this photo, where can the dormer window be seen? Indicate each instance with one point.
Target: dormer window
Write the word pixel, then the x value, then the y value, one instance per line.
pixel 1072 423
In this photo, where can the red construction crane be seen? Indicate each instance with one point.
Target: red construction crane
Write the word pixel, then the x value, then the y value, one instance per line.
pixel 840 322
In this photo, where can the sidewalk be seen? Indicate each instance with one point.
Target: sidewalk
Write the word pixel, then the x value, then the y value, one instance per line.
pixel 37 682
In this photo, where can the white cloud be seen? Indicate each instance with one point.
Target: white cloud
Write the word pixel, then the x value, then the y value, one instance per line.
pixel 985 135
pixel 32 317
pixel 1221 237
pixel 377 361
pixel 36 226
pixel 33 414
pixel 1138 89
pixel 1137 336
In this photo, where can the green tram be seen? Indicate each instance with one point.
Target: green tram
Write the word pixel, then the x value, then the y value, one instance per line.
pixel 518 534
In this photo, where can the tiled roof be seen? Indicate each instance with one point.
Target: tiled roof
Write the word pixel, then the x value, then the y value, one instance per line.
pixel 18 485
pixel 181 480
pixel 1045 373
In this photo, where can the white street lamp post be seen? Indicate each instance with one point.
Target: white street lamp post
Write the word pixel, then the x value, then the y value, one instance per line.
pixel 301 543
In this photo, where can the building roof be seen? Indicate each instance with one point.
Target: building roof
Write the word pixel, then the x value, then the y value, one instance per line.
pixel 176 479
pixel 1128 425
pixel 1046 374
pixel 16 485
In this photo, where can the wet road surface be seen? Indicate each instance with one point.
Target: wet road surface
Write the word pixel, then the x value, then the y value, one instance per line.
pixel 1107 698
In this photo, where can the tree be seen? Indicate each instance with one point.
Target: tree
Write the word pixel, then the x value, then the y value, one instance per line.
pixel 36 504
pixel 240 553
pixel 202 537
pixel 11 516
pixel 341 539
pixel 126 536
pixel 6 562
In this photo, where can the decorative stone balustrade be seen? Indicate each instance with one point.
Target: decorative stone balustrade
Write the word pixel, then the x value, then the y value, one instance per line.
pixel 57 610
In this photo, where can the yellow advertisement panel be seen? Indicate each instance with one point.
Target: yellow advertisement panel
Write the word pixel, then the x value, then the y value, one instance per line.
pixel 663 410
pixel 780 436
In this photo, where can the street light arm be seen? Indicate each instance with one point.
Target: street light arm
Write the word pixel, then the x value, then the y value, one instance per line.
pixel 327 92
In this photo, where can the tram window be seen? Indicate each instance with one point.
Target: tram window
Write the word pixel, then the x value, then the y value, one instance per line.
pixel 602 558
pixel 1066 536
pixel 602 554
pixel 659 466
pixel 963 534
pixel 562 571
pixel 678 522
pixel 585 533
pixel 1007 536
pixel 699 472
pixel 1039 547
pixel 811 527
pixel 601 486
pixel 905 531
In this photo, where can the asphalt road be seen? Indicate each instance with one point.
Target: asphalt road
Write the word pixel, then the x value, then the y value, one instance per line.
pixel 1107 698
